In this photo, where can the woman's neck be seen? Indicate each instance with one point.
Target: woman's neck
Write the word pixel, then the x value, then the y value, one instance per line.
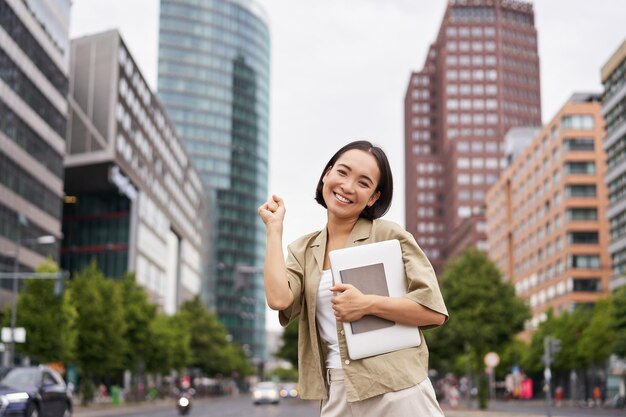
pixel 340 227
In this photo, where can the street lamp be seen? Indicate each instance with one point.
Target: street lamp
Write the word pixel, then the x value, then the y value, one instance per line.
pixel 41 240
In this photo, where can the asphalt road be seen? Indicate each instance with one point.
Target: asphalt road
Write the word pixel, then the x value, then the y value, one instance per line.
pixel 242 406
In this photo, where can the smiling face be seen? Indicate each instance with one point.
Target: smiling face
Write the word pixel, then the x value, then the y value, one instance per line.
pixel 350 184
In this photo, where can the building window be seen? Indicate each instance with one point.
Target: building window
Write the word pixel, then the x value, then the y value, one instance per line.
pixel 582 213
pixel 586 285
pixel 578 122
pixel 580 190
pixel 578 144
pixel 582 238
pixel 580 167
pixel 583 261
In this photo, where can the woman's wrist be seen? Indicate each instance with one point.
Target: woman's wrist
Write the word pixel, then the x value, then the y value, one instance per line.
pixel 274 229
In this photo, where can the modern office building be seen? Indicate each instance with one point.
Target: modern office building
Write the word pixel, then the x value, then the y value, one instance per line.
pixel 480 78
pixel 134 201
pixel 34 67
pixel 546 215
pixel 214 59
pixel 614 111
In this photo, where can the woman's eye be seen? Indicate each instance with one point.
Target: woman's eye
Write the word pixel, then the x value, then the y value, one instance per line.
pixel 341 172
pixel 364 184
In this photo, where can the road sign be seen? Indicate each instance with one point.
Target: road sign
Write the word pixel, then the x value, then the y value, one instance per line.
pixel 20 335
pixel 547 374
pixel 492 359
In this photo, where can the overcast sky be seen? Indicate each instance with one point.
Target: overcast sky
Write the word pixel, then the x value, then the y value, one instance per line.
pixel 340 68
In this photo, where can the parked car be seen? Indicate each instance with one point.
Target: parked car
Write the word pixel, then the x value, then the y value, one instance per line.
pixel 34 391
pixel 289 390
pixel 265 392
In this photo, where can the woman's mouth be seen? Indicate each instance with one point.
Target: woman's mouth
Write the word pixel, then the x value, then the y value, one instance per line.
pixel 342 198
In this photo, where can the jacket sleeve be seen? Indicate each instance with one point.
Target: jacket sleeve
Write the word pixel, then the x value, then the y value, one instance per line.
pixel 295 274
pixel 422 284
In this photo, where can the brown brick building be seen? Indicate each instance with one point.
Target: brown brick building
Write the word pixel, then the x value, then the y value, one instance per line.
pixel 481 77
pixel 546 215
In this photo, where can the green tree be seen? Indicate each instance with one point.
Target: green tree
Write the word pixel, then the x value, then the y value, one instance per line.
pixel 170 344
pixel 49 319
pixel 597 339
pixel 211 349
pixel 568 328
pixel 484 314
pixel 101 347
pixel 618 303
pixel 511 354
pixel 289 349
pixel 138 316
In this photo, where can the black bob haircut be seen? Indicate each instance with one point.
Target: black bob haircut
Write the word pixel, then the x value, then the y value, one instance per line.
pixel 385 183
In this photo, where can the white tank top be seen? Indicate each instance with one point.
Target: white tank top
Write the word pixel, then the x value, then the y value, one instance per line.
pixel 326 320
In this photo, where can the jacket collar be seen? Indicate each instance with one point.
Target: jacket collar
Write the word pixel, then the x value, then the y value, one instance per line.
pixel 361 231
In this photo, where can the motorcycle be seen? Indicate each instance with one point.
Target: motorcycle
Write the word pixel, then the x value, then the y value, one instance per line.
pixel 183 402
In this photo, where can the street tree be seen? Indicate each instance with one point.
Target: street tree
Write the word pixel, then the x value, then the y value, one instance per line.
pixel 49 319
pixel 567 328
pixel 510 355
pixel 484 313
pixel 169 346
pixel 618 303
pixel 209 341
pixel 597 339
pixel 101 347
pixel 289 349
pixel 138 316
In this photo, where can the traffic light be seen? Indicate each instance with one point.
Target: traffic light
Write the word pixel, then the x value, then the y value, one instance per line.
pixel 555 346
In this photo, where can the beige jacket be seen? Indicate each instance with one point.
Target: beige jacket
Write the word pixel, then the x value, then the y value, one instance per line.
pixel 371 376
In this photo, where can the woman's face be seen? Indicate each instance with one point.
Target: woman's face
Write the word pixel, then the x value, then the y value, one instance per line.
pixel 350 185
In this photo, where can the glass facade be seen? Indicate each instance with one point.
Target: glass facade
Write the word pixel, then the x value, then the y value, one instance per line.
pixel 214 84
pixel 33 118
pixel 96 227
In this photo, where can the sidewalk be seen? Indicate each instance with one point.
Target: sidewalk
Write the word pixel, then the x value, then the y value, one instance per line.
pixel 104 410
pixel 459 412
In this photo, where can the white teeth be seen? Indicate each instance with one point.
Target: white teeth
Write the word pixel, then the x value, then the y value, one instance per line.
pixel 342 199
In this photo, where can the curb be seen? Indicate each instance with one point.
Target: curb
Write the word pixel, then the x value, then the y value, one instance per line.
pixel 104 410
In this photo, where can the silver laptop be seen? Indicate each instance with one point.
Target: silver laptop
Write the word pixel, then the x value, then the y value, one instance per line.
pixel 375 268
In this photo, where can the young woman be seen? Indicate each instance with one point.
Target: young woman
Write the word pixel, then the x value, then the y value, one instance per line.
pixel 356 188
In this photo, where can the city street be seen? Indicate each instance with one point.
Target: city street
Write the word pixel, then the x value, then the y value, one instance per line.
pixel 242 406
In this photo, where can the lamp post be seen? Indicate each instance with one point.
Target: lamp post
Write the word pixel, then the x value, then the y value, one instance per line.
pixel 41 240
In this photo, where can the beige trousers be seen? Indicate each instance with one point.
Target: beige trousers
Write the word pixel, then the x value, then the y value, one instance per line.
pixel 417 401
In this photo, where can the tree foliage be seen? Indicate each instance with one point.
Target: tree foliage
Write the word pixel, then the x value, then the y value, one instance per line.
pixel 138 315
pixel 169 348
pixel 101 327
pixel 289 349
pixel 618 319
pixel 597 339
pixel 49 319
pixel 211 349
pixel 484 312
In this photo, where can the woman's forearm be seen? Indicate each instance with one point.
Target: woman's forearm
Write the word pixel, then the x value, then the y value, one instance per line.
pixel 277 291
pixel 404 311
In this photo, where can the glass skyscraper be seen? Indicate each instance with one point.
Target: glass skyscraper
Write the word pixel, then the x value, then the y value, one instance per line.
pixel 214 84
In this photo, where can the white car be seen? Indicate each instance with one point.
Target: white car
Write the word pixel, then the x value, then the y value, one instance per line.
pixel 266 392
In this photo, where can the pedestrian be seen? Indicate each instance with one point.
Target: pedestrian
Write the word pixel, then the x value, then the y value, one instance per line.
pixel 596 395
pixel 356 189
pixel 558 396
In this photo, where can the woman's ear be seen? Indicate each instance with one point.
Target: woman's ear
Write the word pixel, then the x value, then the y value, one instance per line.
pixel 373 199
pixel 327 172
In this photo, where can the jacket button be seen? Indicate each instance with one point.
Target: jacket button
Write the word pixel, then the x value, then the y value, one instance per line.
pixel 342 332
pixel 347 361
